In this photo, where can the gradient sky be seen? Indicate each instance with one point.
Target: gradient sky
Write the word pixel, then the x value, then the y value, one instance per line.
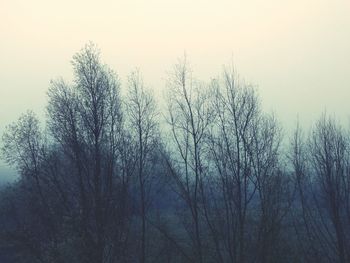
pixel 297 52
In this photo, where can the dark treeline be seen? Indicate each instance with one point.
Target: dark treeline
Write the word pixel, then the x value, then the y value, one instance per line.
pixel 113 178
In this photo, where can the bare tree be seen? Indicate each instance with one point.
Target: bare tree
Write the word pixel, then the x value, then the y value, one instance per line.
pixel 244 147
pixel 24 147
pixel 143 124
pixel 189 118
pixel 321 166
pixel 306 230
pixel 329 156
pixel 231 144
pixel 86 121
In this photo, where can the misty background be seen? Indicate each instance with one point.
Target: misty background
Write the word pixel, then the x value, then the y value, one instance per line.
pixel 296 52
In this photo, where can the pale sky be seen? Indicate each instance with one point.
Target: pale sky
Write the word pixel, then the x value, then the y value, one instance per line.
pixel 297 52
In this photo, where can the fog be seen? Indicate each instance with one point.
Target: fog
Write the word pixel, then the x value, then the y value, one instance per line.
pixel 214 164
pixel 295 52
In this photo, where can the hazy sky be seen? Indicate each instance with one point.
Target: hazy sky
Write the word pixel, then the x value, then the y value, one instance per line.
pixel 297 52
